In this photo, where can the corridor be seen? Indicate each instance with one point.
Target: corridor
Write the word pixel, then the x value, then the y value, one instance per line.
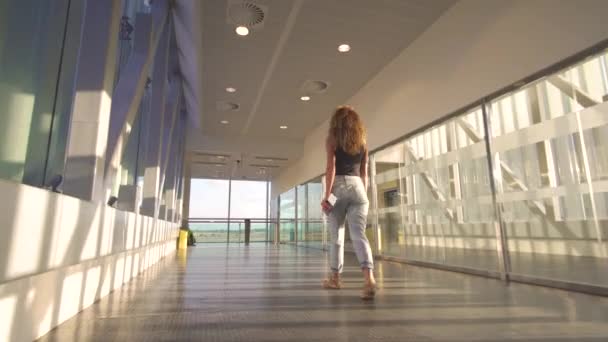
pixel 267 293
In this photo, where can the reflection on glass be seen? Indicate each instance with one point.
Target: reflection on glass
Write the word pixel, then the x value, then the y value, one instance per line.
pixel 434 199
pixel 31 43
pixel 127 32
pixel 301 211
pixel 371 217
pixel 209 200
pixel 287 216
pixel 209 212
pixel 131 166
pixel 549 144
pixel 273 224
pixel 209 232
pixel 314 221
pixel 389 164
pixel 248 201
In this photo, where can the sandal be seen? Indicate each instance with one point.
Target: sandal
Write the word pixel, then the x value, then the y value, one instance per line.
pixel 369 291
pixel 332 283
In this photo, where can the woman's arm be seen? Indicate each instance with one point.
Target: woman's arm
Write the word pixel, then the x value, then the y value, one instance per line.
pixel 330 168
pixel 363 169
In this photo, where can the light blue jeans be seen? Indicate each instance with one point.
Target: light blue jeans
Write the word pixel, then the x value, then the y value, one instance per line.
pixel 352 206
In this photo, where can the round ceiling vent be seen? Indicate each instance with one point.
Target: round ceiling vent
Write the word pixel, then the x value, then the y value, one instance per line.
pixel 314 87
pixel 246 13
pixel 228 106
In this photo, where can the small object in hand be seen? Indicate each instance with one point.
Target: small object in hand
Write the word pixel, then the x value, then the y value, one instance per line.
pixel 329 203
pixel 332 199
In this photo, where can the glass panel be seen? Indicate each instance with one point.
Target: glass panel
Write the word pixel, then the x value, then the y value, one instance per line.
pixel 63 106
pixel 314 222
pixel 287 216
pixel 371 216
pixel 434 199
pixel 208 200
pixel 301 208
pixel 236 232
pixel 31 42
pixel 142 127
pixel 132 156
pixel 269 216
pixel 389 164
pixel 549 143
pixel 258 231
pixel 127 32
pixel 248 202
pixel 274 211
pixel 210 231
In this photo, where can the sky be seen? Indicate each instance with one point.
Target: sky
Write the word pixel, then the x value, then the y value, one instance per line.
pixel 209 199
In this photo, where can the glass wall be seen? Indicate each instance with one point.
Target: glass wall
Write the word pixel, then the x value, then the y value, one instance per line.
pixel 311 226
pixel 273 212
pixel 315 222
pixel 218 209
pixel 209 210
pixel 389 165
pixel 434 199
pixel 38 46
pixel 287 207
pixel 550 143
pixel 127 31
pixel 131 168
pixel 301 208
pixel 248 201
pixel 65 92
pixel 547 171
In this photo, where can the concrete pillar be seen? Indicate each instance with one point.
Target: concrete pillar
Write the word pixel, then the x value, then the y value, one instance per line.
pixel 128 197
pixel 86 146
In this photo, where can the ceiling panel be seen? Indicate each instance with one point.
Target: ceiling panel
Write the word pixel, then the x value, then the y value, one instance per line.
pixel 376 30
pixel 301 38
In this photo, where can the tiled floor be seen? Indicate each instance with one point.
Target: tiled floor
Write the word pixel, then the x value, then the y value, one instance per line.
pixel 265 293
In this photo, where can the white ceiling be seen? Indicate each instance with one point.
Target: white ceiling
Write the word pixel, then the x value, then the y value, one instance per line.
pixel 298 42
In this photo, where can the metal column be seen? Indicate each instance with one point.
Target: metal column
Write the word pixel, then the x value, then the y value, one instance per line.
pixel 501 244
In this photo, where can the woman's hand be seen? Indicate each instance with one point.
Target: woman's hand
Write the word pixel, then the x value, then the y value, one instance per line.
pixel 325 206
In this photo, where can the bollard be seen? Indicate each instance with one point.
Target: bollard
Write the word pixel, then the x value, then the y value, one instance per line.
pixel 247 231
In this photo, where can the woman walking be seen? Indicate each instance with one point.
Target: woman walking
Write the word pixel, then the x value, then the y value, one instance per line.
pixel 346 184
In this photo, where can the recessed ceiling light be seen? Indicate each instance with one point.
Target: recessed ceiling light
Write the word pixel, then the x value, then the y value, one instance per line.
pixel 283 127
pixel 224 122
pixel 305 98
pixel 242 31
pixel 269 160
pixel 221 157
pixel 344 48
pixel 218 165
pixel 231 90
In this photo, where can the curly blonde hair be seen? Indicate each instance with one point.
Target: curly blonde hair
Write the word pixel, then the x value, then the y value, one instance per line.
pixel 346 130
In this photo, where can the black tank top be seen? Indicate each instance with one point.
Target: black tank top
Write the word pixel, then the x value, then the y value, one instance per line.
pixel 348 164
